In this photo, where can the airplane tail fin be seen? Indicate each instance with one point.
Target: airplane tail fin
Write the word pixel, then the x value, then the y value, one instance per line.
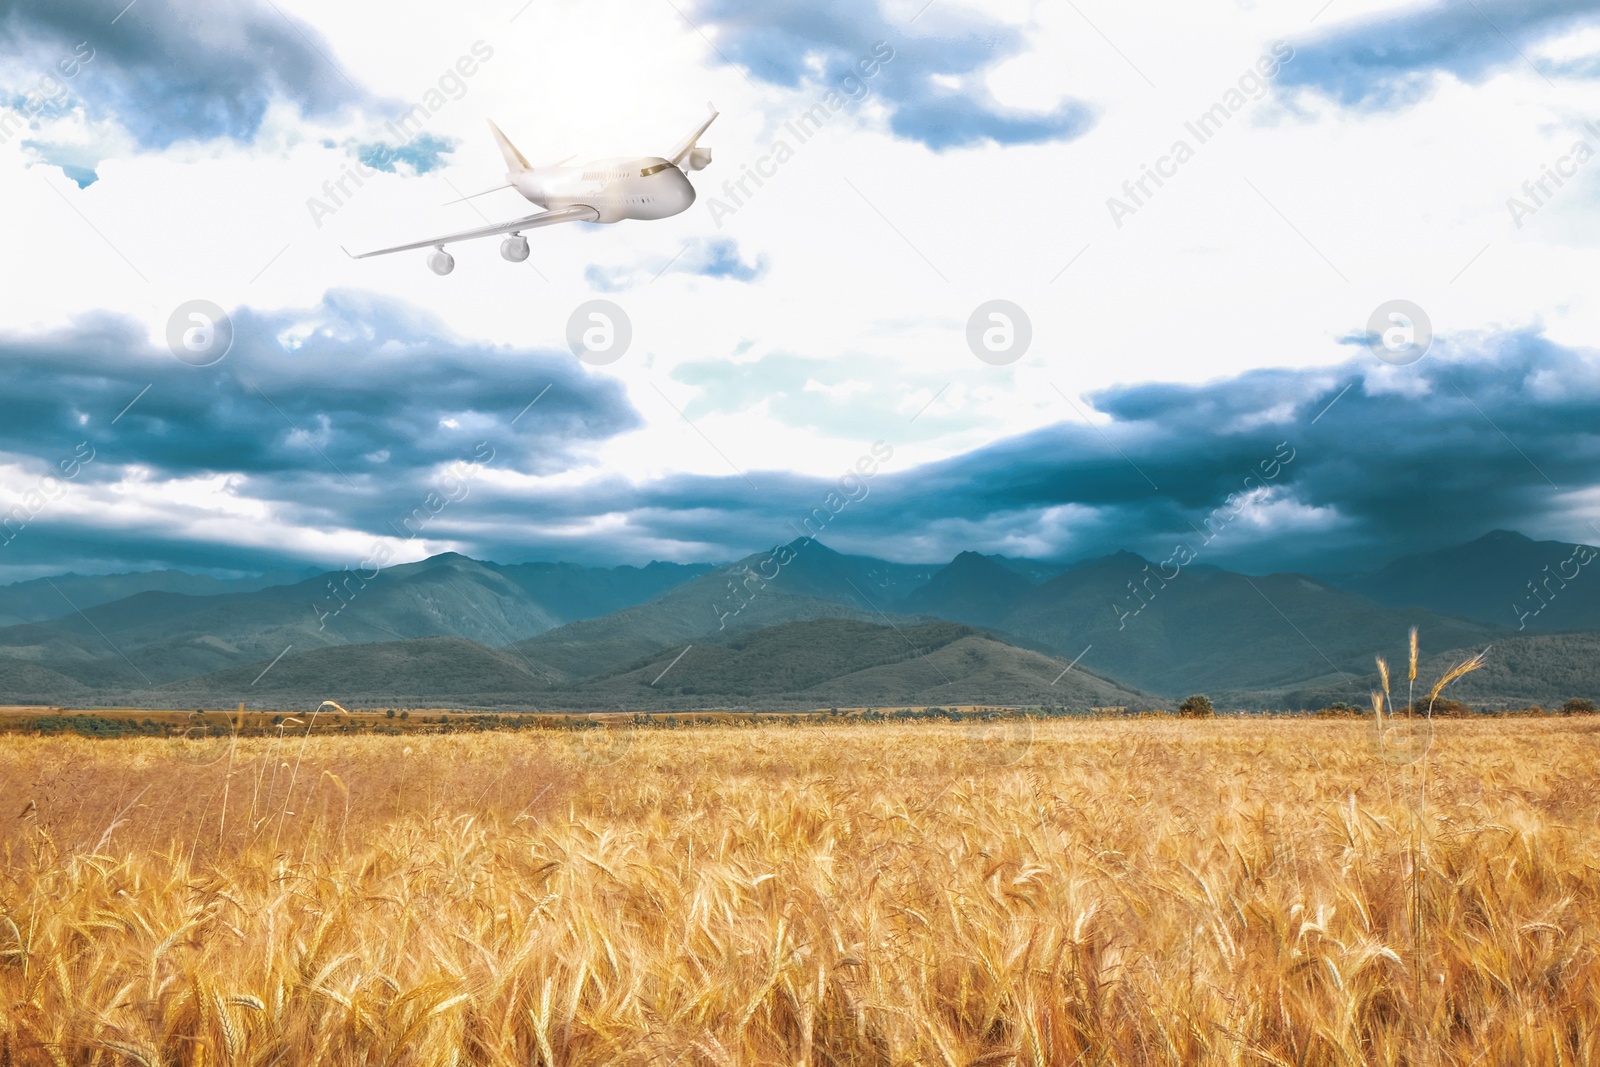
pixel 515 160
pixel 689 155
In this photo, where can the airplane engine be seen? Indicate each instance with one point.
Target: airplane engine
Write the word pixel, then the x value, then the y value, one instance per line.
pixel 515 248
pixel 699 158
pixel 441 262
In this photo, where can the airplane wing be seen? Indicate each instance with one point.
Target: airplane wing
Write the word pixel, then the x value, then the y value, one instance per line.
pixel 546 218
pixel 687 145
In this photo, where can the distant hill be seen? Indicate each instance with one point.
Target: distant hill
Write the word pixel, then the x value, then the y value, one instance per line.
pixel 569 592
pixel 51 598
pixel 754 593
pixel 28 683
pixel 818 663
pixel 1208 629
pixel 447 671
pixel 1489 579
pixel 589 635
pixel 809 568
pixel 836 662
pixel 970 588
pixel 1543 669
pixel 156 637
pixel 1035 571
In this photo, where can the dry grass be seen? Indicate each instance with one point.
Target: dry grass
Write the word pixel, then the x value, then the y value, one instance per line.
pixel 1142 892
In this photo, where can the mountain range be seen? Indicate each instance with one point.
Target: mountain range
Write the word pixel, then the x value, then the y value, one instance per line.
pixel 803 626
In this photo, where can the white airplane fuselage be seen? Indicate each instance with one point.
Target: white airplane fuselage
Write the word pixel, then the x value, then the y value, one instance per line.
pixel 604 190
pixel 634 187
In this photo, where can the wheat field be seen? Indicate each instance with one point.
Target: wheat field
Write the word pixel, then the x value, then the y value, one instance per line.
pixel 1100 892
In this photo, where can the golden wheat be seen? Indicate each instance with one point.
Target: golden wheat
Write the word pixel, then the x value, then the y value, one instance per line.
pixel 1139 892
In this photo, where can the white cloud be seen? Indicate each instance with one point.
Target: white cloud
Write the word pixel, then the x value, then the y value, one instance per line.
pixel 1274 242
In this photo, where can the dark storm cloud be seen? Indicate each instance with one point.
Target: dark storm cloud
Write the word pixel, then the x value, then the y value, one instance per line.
pixel 1484 433
pixel 1469 440
pixel 51 547
pixel 173 70
pixel 358 385
pixel 1392 60
pixel 783 42
pixel 1407 458
pixel 341 416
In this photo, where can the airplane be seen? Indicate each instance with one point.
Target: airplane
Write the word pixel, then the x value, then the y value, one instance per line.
pixel 605 190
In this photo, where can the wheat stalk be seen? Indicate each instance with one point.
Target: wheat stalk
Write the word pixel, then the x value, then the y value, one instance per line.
pixel 1131 892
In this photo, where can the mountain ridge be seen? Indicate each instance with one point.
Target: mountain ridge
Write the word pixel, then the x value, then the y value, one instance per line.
pixel 1144 627
pixel 1502 577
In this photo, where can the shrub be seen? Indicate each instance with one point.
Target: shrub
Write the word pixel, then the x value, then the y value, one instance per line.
pixel 1339 710
pixel 84 725
pixel 1578 706
pixel 1197 707
pixel 1443 708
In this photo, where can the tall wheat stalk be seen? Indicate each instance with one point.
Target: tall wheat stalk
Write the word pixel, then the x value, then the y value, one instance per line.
pixel 288 794
pixel 1417 769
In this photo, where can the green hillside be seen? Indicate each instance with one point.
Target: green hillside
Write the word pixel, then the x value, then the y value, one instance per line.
pixel 433 670
pixel 829 662
pixel 158 637
pixel 817 583
pixel 1543 669
pixel 1211 629
pixel 837 662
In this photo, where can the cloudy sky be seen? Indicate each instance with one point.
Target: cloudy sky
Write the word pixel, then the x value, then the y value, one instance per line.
pixel 1202 214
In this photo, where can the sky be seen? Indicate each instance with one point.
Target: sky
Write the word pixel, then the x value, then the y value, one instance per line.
pixel 1194 221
